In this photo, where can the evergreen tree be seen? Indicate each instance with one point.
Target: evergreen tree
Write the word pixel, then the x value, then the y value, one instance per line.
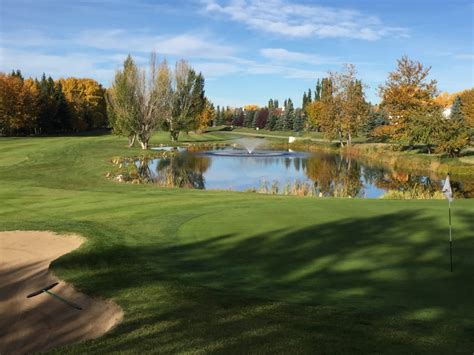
pixel 54 113
pixel 198 97
pixel 309 96
pixel 289 116
pixel 255 119
pixel 275 103
pixel 305 100
pixel 317 92
pixel 376 119
pixel 270 104
pixel 63 112
pixel 456 110
pixel 238 118
pixel 298 124
pixel 17 74
pixel 215 121
pixel 271 120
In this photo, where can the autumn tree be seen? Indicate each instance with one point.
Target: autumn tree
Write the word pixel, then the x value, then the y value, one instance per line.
pixel 467 101
pixel 18 104
pixel 86 101
pixel 314 113
pixel 407 92
pixel 423 127
pixel 343 111
pixel 452 136
pixel 206 117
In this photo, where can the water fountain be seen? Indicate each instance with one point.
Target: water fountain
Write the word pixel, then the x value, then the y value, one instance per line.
pixel 249 146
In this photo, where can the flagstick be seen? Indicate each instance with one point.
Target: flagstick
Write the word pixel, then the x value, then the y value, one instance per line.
pixel 450 238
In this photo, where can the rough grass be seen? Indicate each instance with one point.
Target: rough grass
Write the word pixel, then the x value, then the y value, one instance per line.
pixel 224 272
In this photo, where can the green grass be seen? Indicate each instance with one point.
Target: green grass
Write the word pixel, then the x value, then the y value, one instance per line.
pixel 223 272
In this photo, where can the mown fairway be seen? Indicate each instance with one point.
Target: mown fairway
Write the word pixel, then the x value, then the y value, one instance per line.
pixel 205 271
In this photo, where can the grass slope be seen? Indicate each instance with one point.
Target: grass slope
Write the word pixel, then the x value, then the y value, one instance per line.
pixel 223 272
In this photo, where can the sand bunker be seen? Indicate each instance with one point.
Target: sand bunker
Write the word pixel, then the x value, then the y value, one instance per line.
pixel 43 322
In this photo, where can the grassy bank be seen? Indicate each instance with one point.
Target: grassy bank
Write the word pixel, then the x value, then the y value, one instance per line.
pixel 225 272
pixel 413 160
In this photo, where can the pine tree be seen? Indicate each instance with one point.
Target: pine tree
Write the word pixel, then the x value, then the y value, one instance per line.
pixel 17 74
pixel 63 113
pixel 198 97
pixel 270 104
pixel 298 124
pixel 456 110
pixel 275 103
pixel 248 118
pixel 255 119
pixel 289 115
pixel 305 100
pixel 317 92
pixel 309 96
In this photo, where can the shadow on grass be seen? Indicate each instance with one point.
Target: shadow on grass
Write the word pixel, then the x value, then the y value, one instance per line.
pixel 367 285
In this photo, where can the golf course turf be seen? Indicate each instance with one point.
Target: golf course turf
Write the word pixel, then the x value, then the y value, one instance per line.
pixel 215 271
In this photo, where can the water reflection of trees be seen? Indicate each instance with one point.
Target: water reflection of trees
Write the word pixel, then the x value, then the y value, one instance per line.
pixel 331 175
pixel 341 176
pixel 181 170
pixel 334 175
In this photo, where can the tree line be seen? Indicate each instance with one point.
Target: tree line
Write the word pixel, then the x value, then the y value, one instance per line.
pixel 44 106
pixel 141 101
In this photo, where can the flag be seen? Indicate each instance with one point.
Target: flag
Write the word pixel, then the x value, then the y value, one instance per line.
pixel 447 191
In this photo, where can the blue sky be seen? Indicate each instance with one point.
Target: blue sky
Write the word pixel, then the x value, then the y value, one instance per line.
pixel 248 50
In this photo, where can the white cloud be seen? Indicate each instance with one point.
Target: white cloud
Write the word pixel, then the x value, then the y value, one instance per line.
pixel 184 45
pixel 467 56
pixel 32 63
pixel 247 67
pixel 281 54
pixel 303 21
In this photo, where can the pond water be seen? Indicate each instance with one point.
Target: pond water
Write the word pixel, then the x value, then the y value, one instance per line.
pixel 295 173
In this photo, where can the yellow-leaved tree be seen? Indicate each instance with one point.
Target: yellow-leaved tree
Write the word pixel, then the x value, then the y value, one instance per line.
pixel 86 100
pixel 205 118
pixel 467 106
pixel 18 105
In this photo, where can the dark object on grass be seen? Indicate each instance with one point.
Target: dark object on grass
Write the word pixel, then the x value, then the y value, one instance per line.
pixel 46 290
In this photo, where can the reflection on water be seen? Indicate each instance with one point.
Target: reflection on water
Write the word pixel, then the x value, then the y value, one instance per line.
pixel 318 174
pixel 182 170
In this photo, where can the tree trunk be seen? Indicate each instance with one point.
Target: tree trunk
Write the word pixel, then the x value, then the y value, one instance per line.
pixel 131 140
pixel 174 134
pixel 349 139
pixel 144 145
pixel 341 142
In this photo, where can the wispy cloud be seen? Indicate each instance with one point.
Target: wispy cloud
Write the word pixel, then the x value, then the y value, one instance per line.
pixel 185 45
pixel 283 55
pixel 466 56
pixel 247 67
pixel 34 63
pixel 302 20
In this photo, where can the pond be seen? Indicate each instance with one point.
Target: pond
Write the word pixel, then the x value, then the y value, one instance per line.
pixel 291 172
